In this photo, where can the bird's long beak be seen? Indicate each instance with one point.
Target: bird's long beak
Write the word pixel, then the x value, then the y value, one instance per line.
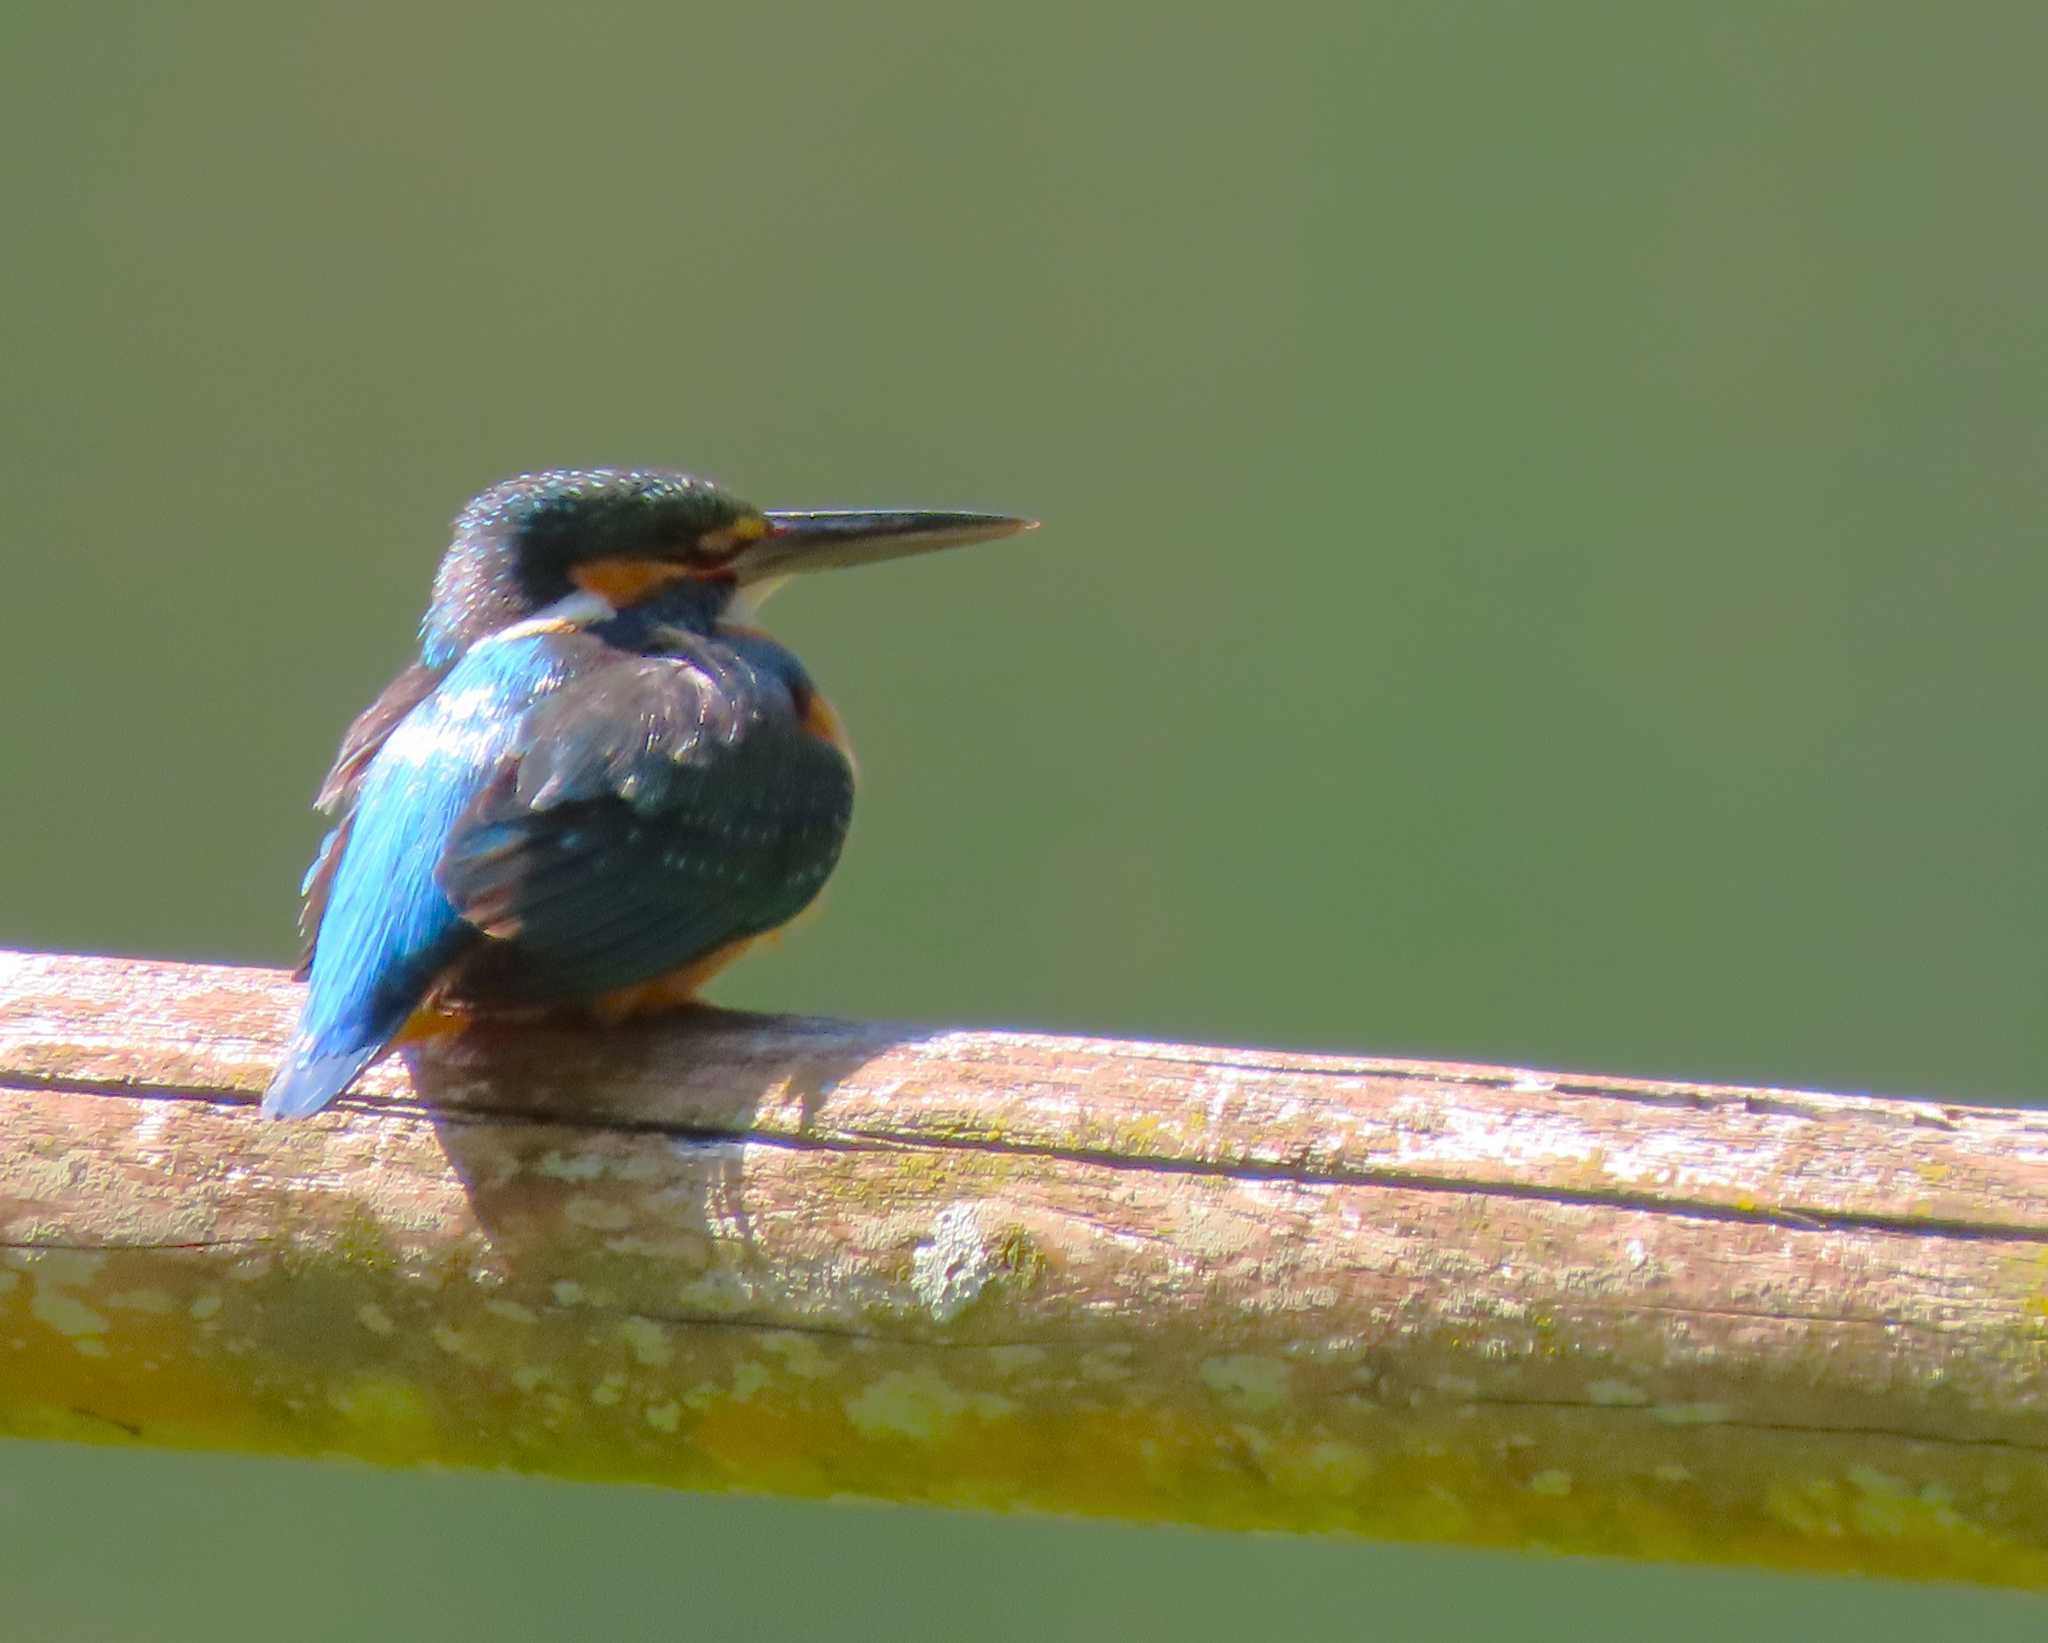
pixel 826 540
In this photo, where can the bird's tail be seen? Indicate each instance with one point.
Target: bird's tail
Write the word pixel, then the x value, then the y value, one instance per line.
pixel 313 1075
pixel 337 1038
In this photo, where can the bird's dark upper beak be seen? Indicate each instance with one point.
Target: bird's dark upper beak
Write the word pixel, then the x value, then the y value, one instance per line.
pixel 824 540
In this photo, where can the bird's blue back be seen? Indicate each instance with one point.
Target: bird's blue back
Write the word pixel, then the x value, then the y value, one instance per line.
pixel 387 928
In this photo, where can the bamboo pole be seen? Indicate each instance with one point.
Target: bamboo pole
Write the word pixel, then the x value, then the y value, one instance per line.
pixel 1227 1287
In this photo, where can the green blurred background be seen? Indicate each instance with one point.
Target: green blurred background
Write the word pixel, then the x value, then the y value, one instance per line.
pixel 1543 563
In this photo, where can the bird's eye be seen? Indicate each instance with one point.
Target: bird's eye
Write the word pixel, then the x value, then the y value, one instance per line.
pixel 717 546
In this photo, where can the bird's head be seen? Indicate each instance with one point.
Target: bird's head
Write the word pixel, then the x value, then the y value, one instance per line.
pixel 624 534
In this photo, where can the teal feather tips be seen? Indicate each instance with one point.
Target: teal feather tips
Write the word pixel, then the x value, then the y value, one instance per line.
pixel 516 544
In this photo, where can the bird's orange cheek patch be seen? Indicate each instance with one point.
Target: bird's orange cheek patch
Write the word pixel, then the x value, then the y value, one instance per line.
pixel 622 582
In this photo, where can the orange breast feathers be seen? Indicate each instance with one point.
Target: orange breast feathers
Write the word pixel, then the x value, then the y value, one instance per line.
pixel 819 717
pixel 669 992
pixel 438 1018
pixel 813 712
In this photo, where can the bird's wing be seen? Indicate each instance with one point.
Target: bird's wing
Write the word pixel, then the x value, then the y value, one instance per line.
pixel 386 933
pixel 370 730
pixel 368 733
pixel 316 887
pixel 655 809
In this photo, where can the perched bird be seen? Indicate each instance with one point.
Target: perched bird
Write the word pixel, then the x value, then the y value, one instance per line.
pixel 596 785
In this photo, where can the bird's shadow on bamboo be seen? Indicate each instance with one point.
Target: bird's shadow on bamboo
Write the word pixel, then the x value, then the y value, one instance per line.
pixel 635 1138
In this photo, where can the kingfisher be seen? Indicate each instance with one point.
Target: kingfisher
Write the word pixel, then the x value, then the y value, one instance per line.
pixel 598 784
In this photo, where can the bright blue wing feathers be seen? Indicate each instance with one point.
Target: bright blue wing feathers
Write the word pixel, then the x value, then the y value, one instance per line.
pixel 385 928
